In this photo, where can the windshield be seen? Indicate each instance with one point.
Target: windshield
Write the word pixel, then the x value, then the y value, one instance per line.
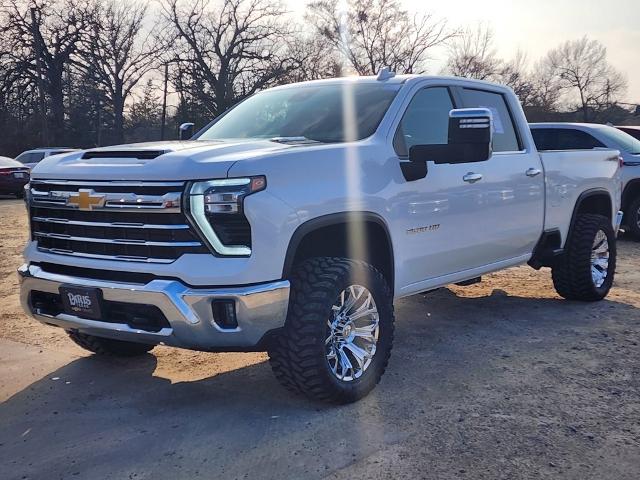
pixel 625 141
pixel 315 112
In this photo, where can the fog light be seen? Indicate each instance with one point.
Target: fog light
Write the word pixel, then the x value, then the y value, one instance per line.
pixel 224 314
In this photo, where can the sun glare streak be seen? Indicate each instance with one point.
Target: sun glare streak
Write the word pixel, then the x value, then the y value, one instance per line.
pixel 367 428
pixel 356 238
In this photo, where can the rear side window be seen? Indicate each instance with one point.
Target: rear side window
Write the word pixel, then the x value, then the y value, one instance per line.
pixel 30 157
pixel 426 120
pixel 505 138
pixel 36 157
pixel 564 139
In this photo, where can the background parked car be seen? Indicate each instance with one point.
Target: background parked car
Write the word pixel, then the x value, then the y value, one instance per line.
pixel 633 131
pixel 30 158
pixel 587 136
pixel 13 177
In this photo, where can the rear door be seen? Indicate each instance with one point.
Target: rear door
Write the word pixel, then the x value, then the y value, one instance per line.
pixel 512 185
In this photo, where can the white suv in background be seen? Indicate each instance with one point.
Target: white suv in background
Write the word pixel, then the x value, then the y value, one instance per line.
pixel 588 136
pixel 31 158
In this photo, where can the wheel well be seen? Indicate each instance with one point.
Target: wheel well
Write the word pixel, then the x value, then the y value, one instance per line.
pixel 592 201
pixel 331 236
pixel 631 192
pixel 598 202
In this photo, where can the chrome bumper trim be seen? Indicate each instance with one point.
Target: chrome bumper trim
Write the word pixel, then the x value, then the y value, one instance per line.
pixel 115 241
pixel 259 309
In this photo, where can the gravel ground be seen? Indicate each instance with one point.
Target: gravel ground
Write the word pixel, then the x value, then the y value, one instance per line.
pixel 502 379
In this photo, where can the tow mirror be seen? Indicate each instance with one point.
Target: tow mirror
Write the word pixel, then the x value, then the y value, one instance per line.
pixel 186 131
pixel 470 139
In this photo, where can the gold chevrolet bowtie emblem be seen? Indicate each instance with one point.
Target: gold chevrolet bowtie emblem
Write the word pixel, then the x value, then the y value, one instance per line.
pixel 86 200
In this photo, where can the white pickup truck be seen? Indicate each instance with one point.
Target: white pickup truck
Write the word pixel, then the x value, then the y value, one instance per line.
pixel 292 222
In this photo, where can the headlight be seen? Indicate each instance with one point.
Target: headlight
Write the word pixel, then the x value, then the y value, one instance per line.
pixel 217 208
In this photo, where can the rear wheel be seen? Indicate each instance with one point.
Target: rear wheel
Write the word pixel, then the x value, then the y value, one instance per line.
pixel 587 268
pixel 108 346
pixel 337 340
pixel 632 218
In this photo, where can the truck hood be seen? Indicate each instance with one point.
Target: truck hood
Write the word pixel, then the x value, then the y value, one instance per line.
pixel 159 161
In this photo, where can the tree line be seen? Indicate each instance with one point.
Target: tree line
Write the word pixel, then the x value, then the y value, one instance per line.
pixel 86 73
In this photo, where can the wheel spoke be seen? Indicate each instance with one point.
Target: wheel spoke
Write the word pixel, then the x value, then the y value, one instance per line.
pixel 602 248
pixel 353 299
pixel 366 333
pixel 345 363
pixel 601 263
pixel 358 353
pixel 362 313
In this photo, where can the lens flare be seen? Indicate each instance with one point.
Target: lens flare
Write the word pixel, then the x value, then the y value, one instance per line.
pixel 356 239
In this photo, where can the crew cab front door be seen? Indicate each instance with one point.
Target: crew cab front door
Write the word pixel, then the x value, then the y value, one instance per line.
pixel 461 217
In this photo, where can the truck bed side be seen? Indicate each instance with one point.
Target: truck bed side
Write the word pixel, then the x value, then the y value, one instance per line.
pixel 571 174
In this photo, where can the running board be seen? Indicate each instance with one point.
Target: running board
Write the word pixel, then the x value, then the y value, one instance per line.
pixel 471 281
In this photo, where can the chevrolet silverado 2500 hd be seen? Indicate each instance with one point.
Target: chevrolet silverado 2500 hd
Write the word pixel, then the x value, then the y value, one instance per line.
pixel 290 224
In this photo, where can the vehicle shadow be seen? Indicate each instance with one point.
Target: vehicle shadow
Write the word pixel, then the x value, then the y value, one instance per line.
pixel 114 418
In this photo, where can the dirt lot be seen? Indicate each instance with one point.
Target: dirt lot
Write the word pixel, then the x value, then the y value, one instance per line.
pixel 499 380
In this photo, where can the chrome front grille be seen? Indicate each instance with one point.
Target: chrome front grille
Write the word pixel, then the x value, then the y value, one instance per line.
pixel 131 221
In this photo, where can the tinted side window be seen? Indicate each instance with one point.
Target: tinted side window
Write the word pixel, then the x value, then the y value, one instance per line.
pixel 564 139
pixel 36 157
pixel 544 138
pixel 505 138
pixel 426 121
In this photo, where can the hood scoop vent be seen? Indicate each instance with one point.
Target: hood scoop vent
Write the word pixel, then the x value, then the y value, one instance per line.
pixel 137 154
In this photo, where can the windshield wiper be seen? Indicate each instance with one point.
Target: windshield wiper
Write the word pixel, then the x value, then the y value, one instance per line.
pixel 299 139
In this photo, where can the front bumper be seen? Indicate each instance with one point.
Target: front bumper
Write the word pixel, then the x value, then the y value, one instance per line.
pixel 259 310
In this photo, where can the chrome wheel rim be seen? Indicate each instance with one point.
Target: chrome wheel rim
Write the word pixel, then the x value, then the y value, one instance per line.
pixel 353 329
pixel 638 218
pixel 600 259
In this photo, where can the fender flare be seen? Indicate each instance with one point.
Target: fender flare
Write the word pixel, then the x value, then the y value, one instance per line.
pixel 328 220
pixel 593 192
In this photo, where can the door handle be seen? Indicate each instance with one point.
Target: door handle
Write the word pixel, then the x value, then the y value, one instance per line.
pixel 472 177
pixel 533 172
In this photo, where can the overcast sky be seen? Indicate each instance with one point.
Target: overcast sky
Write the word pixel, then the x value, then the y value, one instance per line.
pixel 536 26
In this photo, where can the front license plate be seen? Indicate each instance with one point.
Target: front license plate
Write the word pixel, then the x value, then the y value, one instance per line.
pixel 82 302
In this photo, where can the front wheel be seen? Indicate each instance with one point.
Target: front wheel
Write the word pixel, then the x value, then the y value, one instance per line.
pixel 586 269
pixel 337 339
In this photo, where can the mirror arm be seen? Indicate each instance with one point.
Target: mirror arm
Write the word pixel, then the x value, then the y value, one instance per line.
pixel 413 170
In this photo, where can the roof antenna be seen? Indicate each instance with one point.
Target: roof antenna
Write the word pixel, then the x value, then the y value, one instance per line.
pixel 385 74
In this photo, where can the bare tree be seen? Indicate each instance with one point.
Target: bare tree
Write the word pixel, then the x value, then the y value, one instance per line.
pixel 50 36
pixel 314 59
pixel 231 49
pixel 582 69
pixel 118 54
pixel 472 54
pixel 371 34
pixel 546 91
